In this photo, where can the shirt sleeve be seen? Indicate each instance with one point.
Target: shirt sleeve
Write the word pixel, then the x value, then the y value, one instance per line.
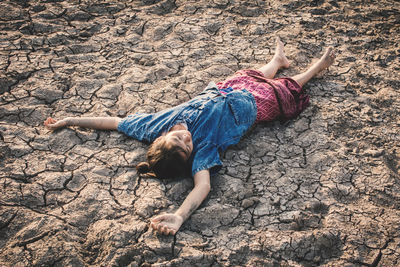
pixel 143 126
pixel 206 158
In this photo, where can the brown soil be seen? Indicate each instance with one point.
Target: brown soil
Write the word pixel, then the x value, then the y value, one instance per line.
pixel 322 189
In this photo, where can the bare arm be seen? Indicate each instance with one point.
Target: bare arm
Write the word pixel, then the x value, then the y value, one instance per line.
pixel 196 197
pixel 100 123
pixel 170 223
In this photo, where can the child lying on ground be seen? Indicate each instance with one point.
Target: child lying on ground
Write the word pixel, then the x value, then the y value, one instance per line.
pixel 193 134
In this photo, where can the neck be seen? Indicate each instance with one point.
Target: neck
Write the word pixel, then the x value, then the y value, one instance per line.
pixel 178 127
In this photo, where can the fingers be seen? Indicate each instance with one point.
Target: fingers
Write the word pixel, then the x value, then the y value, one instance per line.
pixel 165 224
pixel 172 232
pixel 158 218
pixel 162 229
pixel 49 120
pixel 49 123
pixel 53 124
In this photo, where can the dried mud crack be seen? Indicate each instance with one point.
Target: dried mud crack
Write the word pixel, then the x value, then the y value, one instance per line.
pixel 322 189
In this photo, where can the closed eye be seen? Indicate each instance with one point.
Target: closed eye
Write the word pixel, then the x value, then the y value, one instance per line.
pixel 186 151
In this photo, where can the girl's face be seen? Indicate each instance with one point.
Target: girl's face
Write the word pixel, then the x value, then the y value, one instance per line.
pixel 182 139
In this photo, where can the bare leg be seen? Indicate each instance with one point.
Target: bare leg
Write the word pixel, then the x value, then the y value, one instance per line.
pixel 101 123
pixel 277 62
pixel 323 63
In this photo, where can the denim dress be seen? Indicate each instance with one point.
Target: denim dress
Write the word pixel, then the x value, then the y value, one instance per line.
pixel 215 121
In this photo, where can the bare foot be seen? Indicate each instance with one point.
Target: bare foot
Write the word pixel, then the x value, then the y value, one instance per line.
pixel 326 60
pixel 280 56
pixel 53 124
pixel 322 64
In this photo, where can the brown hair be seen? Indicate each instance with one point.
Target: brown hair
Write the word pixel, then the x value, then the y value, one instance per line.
pixel 163 160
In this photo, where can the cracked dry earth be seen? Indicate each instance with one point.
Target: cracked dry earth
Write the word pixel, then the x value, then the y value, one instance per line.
pixel 322 189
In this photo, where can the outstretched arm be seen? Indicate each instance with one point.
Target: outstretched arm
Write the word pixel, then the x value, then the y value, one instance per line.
pixel 100 123
pixel 171 222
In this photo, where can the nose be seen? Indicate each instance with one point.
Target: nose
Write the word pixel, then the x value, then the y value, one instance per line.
pixel 187 136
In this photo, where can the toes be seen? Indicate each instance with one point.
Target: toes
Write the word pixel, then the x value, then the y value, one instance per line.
pixel 279 43
pixel 327 52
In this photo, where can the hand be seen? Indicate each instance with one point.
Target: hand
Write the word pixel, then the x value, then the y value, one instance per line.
pixel 53 124
pixel 167 223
